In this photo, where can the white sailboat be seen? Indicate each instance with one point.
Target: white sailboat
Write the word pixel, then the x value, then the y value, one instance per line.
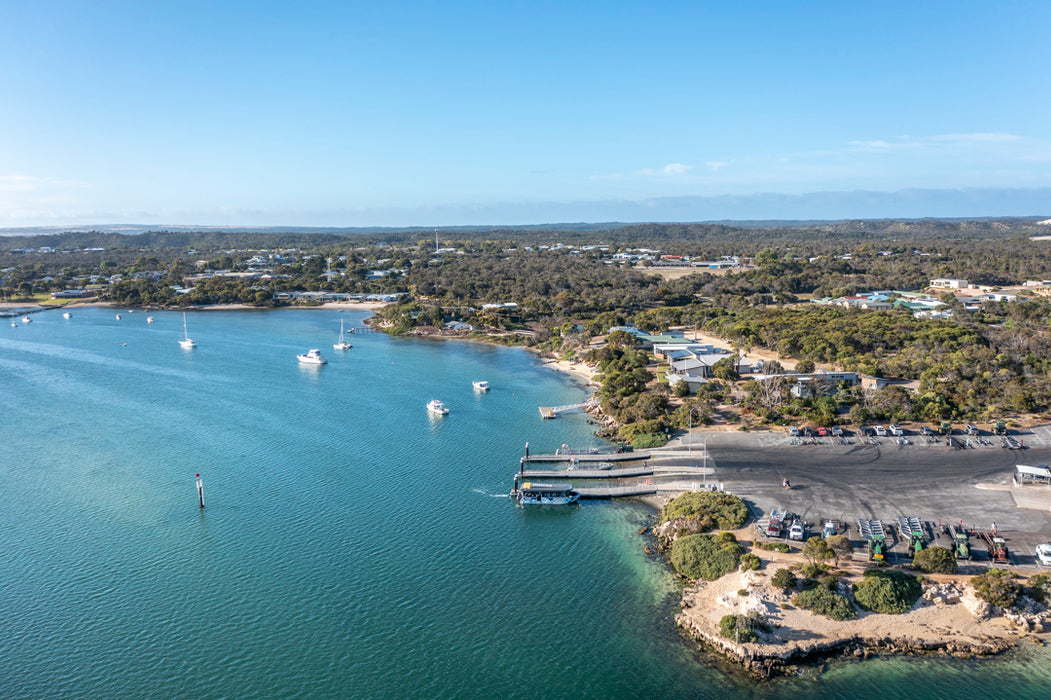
pixel 187 342
pixel 342 344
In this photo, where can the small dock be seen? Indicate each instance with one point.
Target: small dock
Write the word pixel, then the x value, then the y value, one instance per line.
pixel 547 412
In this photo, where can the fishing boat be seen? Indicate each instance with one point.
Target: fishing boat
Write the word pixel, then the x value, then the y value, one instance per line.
pixel 480 385
pixel 437 407
pixel 312 357
pixel 187 342
pixel 342 343
pixel 533 493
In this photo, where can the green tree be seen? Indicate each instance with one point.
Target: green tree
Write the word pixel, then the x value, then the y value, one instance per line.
pixel 997 587
pixel 725 369
pixel 935 560
pixel 817 550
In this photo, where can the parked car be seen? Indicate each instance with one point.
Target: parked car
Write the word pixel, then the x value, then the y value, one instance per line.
pixel 822 432
pixel 793 431
pixel 1043 553
pixel 880 431
pixel 837 431
pixel 971 429
pixel 925 430
pixel 895 430
pixel 796 532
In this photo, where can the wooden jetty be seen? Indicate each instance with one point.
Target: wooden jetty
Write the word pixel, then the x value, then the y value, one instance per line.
pixel 547 412
pixel 583 457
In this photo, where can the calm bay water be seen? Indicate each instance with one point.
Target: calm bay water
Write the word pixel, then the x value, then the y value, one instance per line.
pixel 352 545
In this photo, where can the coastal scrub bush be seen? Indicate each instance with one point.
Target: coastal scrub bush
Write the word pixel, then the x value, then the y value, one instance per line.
pixel 720 510
pixel 750 562
pixel 997 587
pixel 705 556
pixel 742 628
pixel 823 600
pixel 1037 587
pixel 935 560
pixel 777 547
pixel 885 591
pixel 817 550
pixel 648 441
pixel 784 579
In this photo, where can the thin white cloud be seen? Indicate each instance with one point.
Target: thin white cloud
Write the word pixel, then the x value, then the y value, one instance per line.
pixel 677 169
pixel 716 165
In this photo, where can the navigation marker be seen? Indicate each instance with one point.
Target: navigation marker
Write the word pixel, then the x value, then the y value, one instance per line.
pixel 200 491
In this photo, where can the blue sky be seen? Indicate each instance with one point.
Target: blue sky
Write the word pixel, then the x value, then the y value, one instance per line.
pixel 429 113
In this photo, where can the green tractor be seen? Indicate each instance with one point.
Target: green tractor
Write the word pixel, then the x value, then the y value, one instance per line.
pixel 961 543
pixel 912 528
pixel 1000 427
pixel 945 428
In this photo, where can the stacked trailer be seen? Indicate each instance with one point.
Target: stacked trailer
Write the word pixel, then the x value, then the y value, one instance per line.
pixel 912 530
pixel 876 537
pixel 961 543
pixel 776 523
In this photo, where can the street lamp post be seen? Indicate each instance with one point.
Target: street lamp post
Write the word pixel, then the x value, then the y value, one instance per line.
pixel 689 446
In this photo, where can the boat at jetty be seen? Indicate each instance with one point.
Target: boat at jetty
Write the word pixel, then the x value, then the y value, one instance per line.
pixel 480 386
pixel 342 343
pixel 187 342
pixel 533 493
pixel 312 357
pixel 437 407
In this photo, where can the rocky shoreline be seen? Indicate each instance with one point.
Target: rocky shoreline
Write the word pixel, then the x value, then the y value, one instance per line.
pixel 765 661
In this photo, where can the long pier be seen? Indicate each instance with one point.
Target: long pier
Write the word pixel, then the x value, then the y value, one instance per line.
pixel 589 457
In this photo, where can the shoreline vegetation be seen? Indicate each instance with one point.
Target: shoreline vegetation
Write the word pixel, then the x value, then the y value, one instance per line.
pixel 749 606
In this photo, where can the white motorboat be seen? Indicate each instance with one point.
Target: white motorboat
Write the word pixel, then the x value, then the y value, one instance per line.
pixel 67 315
pixel 26 319
pixel 312 357
pixel 118 317
pixel 149 319
pixel 437 408
pixel 480 385
pixel 187 342
pixel 342 343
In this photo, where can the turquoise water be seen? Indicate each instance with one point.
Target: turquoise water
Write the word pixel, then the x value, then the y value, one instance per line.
pixel 352 545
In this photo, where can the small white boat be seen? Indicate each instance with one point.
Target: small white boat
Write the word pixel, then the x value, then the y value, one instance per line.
pixel 187 342
pixel 14 325
pixel 149 319
pixel 342 343
pixel 312 357
pixel 437 408
pixel 118 317
pixel 67 315
pixel 481 385
pixel 26 319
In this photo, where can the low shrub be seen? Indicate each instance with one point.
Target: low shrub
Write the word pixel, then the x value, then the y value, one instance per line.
pixel 706 556
pixel 823 600
pixel 750 562
pixel 1037 587
pixel 742 592
pixel 784 579
pixel 716 510
pixel 649 441
pixel 997 587
pixel 742 628
pixel 885 591
pixel 935 560
pixel 777 547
